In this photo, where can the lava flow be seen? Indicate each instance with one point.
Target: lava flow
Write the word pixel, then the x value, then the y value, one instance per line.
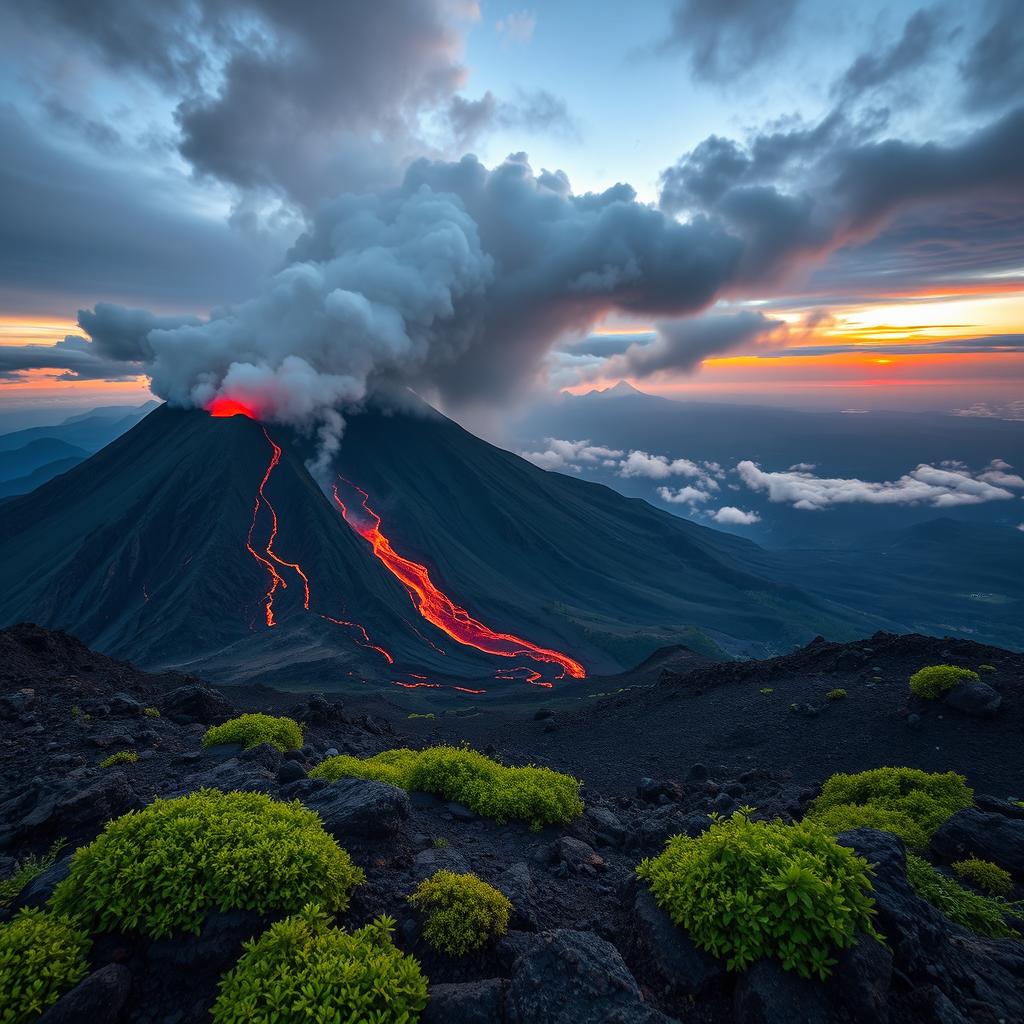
pixel 438 608
pixel 276 579
pixel 366 641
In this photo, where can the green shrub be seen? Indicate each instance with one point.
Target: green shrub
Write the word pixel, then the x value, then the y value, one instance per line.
pixel 988 877
pixel 151 712
pixel 538 796
pixel 767 690
pixel 440 843
pixel 462 911
pixel 304 970
pixel 163 869
pixel 750 889
pixel 933 681
pixel 120 757
pixel 981 914
pixel 837 694
pixel 41 957
pixel 905 801
pixel 252 730
pixel 416 714
pixel 986 668
pixel 27 871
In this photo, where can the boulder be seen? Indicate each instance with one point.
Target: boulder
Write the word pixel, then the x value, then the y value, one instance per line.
pixel 974 698
pixel 360 807
pixel 674 962
pixel 38 892
pixel 217 946
pixel 266 755
pixel 974 833
pixel 98 998
pixel 767 994
pixel 578 857
pixel 245 776
pixel 195 703
pixel 290 771
pixel 474 1002
pixel 860 980
pixel 444 858
pixel 516 883
pixel 566 977
pixel 608 829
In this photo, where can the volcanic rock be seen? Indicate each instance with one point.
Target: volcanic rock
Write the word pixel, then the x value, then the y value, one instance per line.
pixel 974 833
pixel 974 698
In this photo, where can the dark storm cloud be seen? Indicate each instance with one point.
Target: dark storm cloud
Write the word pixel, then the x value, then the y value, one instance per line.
pixel 604 345
pixel 921 35
pixel 993 68
pixel 304 100
pixel 76 358
pixel 724 39
pixel 844 190
pixel 681 345
pixel 971 243
pixel 72 231
pixel 539 111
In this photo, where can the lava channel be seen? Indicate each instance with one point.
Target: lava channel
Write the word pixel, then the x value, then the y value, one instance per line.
pixel 435 606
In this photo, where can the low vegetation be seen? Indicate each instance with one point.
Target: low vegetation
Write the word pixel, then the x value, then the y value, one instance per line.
pixel 163 869
pixel 27 871
pixel 980 914
pixel 933 681
pixel 303 969
pixel 151 712
pixel 462 912
pixel 120 757
pixel 905 801
pixel 837 694
pixel 747 889
pixel 252 730
pixel 988 877
pixel 537 796
pixel 41 957
pixel 767 690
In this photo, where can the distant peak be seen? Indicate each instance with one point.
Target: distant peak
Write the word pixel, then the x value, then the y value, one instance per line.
pixel 620 390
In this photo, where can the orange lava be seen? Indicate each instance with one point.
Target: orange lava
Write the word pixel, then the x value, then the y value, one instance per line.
pixel 276 579
pixel 222 406
pixel 365 641
pixel 438 608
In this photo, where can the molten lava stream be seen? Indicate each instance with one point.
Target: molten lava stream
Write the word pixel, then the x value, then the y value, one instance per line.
pixel 366 641
pixel 438 608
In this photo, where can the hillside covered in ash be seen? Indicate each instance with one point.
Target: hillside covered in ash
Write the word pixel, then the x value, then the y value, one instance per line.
pixel 573 917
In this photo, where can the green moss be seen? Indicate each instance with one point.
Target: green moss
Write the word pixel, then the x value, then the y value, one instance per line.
pixel 746 889
pixel 905 801
pixel 538 796
pixel 151 712
pixel 988 877
pixel 302 970
pixel 981 914
pixel 41 957
pixel 27 871
pixel 415 714
pixel 933 681
pixel 163 869
pixel 767 690
pixel 986 668
pixel 252 730
pixel 837 694
pixel 120 757
pixel 462 912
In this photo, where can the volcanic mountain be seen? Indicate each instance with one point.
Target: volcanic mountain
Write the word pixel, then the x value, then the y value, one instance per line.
pixel 203 543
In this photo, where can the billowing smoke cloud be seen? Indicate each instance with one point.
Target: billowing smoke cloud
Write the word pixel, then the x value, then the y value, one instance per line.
pixel 841 185
pixel 681 345
pixel 456 283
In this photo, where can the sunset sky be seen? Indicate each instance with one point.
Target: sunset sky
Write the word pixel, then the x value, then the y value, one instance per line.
pixel 853 175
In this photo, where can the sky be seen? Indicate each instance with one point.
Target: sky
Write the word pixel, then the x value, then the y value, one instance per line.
pixel 780 201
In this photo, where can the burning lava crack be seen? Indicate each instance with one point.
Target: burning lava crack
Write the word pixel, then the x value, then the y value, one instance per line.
pixel 435 606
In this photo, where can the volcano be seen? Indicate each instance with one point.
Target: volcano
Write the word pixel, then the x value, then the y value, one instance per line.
pixel 202 543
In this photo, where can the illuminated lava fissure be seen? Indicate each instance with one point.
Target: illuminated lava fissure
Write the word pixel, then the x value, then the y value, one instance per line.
pixel 225 407
pixel 435 606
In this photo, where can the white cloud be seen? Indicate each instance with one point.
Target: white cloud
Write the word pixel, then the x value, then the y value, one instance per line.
pixel 683 495
pixel 568 455
pixel 937 486
pixel 732 516
pixel 517 27
pixel 658 467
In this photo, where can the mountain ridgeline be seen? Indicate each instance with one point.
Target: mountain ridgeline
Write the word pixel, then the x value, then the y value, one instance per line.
pixel 162 548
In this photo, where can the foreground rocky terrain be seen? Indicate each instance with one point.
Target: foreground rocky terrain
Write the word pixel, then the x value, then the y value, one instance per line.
pixel 586 942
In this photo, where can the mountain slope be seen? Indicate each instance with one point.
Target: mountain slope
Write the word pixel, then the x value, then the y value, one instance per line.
pixel 570 561
pixel 141 551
